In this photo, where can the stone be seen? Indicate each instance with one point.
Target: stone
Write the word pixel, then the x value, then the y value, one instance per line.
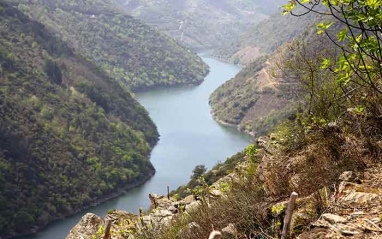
pixel 333 219
pixel 173 209
pixel 321 223
pixel 192 206
pixel 118 216
pixel 376 220
pixel 190 229
pixel 162 213
pixel 348 176
pixel 348 230
pixel 358 199
pixel 216 193
pixel 230 230
pixel 189 199
pixel 357 214
pixel 159 201
pixel 87 227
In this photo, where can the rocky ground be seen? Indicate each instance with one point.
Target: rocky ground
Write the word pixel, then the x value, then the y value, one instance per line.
pixel 349 208
pixel 355 210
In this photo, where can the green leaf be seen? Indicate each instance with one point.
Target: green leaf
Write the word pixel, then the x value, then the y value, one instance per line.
pixel 342 35
pixel 326 63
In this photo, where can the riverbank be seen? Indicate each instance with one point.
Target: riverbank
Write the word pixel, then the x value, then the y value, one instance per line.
pixel 237 127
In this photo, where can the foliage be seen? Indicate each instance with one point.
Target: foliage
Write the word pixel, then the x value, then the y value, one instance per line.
pixel 53 71
pixel 357 71
pixel 218 171
pixel 69 134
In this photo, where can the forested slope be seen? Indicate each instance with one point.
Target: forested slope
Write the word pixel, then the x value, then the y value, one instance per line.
pixel 125 48
pixel 69 134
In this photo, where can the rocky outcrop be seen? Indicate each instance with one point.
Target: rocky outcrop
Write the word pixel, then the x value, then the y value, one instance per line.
pixel 124 225
pixel 355 210
pixel 87 227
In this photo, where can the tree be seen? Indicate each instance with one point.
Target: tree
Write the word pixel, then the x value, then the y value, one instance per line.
pixel 53 71
pixel 198 171
pixel 359 69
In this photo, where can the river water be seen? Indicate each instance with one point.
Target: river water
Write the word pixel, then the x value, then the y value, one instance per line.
pixel 189 137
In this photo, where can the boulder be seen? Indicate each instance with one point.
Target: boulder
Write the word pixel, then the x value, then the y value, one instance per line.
pixel 86 228
pixel 348 176
pixel 230 231
pixel 193 206
pixel 333 219
pixel 189 199
pixel 358 199
pixel 159 201
pixel 216 193
pixel 348 229
pixel 190 229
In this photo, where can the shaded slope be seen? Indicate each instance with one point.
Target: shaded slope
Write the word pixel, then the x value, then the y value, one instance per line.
pixel 69 134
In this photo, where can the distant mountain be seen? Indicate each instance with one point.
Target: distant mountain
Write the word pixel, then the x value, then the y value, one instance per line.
pixel 202 24
pixel 263 38
pixel 127 49
pixel 70 135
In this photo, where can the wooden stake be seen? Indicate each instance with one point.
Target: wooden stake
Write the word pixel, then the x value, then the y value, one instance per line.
pixel 215 235
pixel 288 216
pixel 168 192
pixel 107 229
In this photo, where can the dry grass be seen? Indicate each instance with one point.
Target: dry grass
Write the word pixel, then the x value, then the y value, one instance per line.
pixel 315 163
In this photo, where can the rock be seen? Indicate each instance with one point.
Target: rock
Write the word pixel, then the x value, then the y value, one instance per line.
pixel 192 206
pixel 357 214
pixel 162 213
pixel 273 136
pixel 189 199
pixel 348 176
pixel 346 187
pixel 173 209
pixel 86 228
pixel 321 223
pixel 120 216
pixel 358 199
pixel 348 230
pixel 230 230
pixel 333 219
pixel 159 201
pixel 190 229
pixel 216 193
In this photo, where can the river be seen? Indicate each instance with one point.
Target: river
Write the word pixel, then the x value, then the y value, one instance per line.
pixel 189 137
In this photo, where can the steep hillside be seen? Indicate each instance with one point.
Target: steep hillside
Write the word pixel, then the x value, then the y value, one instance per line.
pixel 263 38
pixel 70 135
pixel 199 24
pixel 263 94
pixel 125 48
pixel 255 100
